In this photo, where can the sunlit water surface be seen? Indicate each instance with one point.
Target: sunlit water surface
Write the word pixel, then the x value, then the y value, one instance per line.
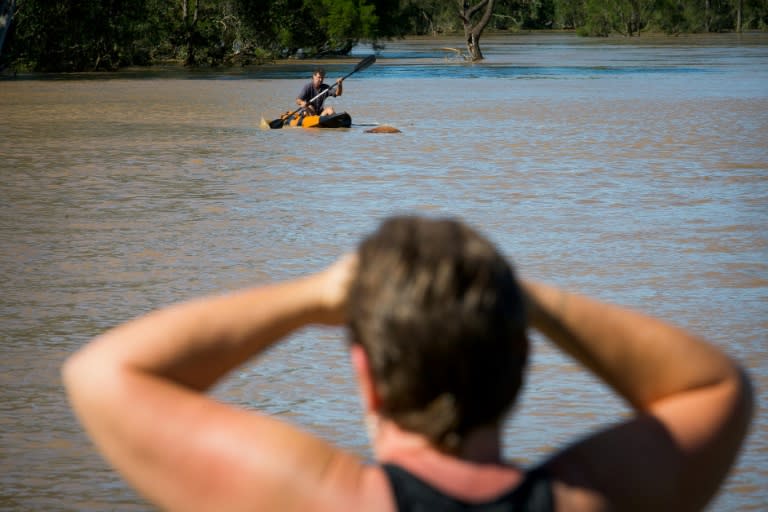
pixel 634 169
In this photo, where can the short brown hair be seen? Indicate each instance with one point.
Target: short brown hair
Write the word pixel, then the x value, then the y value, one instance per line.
pixel 441 317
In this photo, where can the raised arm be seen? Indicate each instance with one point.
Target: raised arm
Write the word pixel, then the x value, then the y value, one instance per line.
pixel 693 406
pixel 137 390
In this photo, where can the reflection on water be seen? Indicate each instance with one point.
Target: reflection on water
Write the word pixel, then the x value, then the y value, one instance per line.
pixel 635 170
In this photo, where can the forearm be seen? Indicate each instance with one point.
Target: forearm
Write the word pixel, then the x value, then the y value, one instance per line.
pixel 195 343
pixel 137 390
pixel 694 405
pixel 642 358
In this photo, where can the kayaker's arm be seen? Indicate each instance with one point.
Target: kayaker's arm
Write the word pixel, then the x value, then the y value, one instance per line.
pixel 339 87
pixel 692 403
pixel 305 105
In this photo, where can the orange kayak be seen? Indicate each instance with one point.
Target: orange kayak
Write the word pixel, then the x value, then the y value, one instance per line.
pixel 339 120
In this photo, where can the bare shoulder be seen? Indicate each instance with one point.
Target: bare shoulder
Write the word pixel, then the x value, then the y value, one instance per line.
pixel 349 485
pixel 187 452
pixel 282 467
pixel 371 491
pixel 634 465
pixel 274 465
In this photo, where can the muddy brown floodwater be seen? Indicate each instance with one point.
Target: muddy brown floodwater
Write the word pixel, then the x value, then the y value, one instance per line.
pixel 635 170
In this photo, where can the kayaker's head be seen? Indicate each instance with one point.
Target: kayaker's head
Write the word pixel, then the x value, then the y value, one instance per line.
pixel 441 318
pixel 318 76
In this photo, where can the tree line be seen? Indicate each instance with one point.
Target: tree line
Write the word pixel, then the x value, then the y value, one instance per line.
pixel 77 35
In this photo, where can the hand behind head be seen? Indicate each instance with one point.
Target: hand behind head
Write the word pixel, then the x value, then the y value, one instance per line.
pixel 335 282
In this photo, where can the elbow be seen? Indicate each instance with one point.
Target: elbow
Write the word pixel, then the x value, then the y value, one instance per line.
pixel 732 423
pixel 77 378
pixel 70 371
pixel 88 378
pixel 73 377
pixel 744 402
pixel 739 395
pixel 96 393
pixel 737 405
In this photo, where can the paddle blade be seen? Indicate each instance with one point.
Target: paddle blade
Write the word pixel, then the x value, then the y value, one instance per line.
pixel 365 63
pixel 276 123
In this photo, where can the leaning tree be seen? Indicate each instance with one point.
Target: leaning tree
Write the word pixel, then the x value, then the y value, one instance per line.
pixel 472 31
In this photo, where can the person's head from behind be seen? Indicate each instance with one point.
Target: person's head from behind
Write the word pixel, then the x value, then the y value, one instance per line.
pixel 318 76
pixel 441 319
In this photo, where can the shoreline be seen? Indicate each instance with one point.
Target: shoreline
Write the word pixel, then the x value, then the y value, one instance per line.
pixel 167 67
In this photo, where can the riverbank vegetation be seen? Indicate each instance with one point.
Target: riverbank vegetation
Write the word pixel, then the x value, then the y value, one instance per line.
pixel 77 35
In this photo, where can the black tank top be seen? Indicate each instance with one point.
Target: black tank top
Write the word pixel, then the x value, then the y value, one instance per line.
pixel 534 494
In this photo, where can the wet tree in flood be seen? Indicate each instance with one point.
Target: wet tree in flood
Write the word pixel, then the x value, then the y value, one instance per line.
pixel 472 32
pixel 189 17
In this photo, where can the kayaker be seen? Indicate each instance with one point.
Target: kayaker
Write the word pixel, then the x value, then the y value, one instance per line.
pixel 438 329
pixel 315 87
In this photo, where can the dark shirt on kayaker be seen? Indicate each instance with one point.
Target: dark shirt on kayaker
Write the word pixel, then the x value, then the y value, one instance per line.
pixel 309 91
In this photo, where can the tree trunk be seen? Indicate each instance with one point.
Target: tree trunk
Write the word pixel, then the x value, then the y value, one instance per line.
pixel 6 17
pixel 472 33
pixel 706 16
pixel 190 20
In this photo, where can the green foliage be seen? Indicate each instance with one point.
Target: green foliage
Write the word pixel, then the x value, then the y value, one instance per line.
pixel 343 22
pixel 391 22
pixel 296 26
pixel 536 14
pixel 626 17
pixel 75 35
pixel 755 15
pixel 598 19
pixel 569 14
pixel 422 17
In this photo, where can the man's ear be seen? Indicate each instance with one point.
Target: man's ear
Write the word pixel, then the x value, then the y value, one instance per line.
pixel 368 392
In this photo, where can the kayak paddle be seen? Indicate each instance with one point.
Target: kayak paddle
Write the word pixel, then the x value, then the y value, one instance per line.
pixel 278 123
